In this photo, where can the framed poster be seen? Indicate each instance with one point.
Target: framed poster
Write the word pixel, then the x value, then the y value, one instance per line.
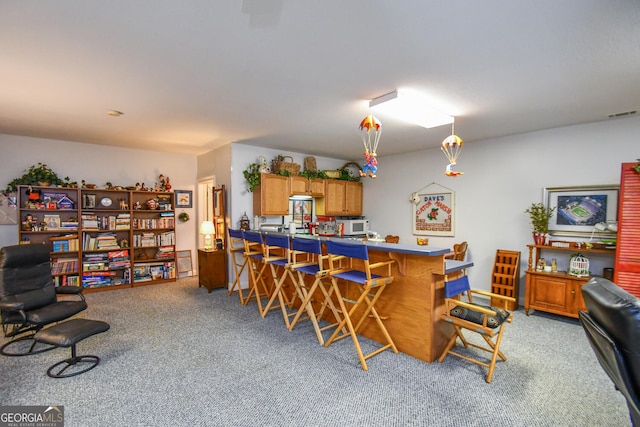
pixel 184 198
pixel 433 210
pixel 579 209
pixel 185 267
pixel 8 209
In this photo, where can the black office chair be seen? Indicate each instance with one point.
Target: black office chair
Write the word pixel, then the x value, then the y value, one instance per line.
pixel 28 298
pixel 612 325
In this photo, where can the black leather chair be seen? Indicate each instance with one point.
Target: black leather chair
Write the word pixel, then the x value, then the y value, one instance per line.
pixel 29 299
pixel 612 325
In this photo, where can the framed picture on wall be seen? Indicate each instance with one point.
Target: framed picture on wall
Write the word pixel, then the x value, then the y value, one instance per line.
pixel 433 210
pixel 579 209
pixel 184 198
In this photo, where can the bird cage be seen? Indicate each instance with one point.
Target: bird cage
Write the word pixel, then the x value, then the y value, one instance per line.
pixel 578 265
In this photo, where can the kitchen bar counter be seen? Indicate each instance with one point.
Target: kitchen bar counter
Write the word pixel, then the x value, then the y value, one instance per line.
pixel 413 304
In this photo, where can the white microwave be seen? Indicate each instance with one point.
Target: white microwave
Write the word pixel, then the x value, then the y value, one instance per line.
pixel 353 227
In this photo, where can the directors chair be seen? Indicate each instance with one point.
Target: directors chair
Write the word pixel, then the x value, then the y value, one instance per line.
pixel 487 321
pixel 358 274
pixel 236 247
pixel 254 252
pixel 29 299
pixel 277 255
pixel 309 263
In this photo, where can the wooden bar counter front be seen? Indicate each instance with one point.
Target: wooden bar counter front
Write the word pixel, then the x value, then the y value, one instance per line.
pixel 412 305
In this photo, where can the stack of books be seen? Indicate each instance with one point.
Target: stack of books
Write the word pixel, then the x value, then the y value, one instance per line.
pixel 107 241
pixel 119 259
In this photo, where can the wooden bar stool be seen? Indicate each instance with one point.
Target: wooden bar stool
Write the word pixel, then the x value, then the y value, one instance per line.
pixel 369 287
pixel 236 247
pixel 254 252
pixel 277 255
pixel 308 261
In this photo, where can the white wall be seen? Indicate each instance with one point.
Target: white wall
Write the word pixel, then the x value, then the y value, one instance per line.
pixel 501 178
pixel 98 164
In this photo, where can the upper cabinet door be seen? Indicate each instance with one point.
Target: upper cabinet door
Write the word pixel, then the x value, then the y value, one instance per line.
pixel 271 197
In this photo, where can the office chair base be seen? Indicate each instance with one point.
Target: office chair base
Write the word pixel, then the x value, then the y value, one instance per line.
pixel 19 347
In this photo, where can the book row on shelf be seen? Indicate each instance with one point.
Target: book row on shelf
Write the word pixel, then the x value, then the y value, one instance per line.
pixel 154 239
pixel 151 223
pixel 107 222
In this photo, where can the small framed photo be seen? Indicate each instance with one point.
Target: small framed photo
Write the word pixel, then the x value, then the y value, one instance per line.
pixel 89 201
pixel 184 198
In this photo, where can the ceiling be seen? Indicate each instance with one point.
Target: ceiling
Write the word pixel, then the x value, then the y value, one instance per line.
pixel 296 75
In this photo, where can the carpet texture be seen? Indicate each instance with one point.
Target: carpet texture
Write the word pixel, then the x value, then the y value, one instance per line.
pixel 178 356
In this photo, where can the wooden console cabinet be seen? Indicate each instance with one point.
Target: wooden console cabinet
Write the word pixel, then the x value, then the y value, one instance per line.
pixel 558 293
pixel 212 269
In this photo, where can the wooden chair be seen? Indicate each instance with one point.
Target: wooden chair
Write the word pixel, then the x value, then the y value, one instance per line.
pixel 308 261
pixel 277 255
pixel 459 251
pixel 236 247
pixel 369 288
pixel 254 252
pixel 487 321
pixel 505 278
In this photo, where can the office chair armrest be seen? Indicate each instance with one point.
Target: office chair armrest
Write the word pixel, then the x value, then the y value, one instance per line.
pixel 11 306
pixel 492 295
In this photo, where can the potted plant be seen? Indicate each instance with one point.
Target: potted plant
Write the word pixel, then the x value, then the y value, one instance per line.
pixel 39 174
pixel 252 176
pixel 539 216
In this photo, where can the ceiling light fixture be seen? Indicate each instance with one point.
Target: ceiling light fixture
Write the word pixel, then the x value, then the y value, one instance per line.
pixel 411 107
pixel 114 113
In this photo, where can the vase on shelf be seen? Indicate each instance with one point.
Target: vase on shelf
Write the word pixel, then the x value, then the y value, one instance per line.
pixel 540 238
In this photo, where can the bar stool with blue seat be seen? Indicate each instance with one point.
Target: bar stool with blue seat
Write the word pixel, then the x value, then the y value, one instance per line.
pixel 277 255
pixel 308 261
pixel 254 252
pixel 236 247
pixel 369 287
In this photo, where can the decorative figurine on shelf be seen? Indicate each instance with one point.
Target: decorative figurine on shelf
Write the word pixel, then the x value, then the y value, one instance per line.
pixel 167 185
pixel 152 204
pixel 124 206
pixel 137 206
pixel 138 187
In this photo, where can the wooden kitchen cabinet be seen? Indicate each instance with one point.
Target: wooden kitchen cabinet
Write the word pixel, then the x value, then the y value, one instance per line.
pixel 341 198
pixel 559 292
pixel 303 186
pixel 271 197
pixel 212 269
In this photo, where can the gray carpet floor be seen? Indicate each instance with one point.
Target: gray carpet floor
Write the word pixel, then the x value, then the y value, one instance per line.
pixel 178 356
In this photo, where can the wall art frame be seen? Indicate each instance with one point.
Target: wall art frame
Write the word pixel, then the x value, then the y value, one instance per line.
pixel 578 209
pixel 433 212
pixel 184 198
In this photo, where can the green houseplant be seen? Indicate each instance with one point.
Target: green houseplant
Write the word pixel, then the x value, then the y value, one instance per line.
pixel 39 174
pixel 252 176
pixel 539 216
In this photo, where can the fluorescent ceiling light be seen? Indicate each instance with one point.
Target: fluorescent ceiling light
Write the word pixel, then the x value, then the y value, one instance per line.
pixel 410 107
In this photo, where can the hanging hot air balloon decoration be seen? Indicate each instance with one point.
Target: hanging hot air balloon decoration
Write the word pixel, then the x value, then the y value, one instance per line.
pixel 451 147
pixel 371 129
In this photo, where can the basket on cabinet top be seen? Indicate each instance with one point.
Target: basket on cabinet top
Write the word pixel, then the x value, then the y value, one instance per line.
pixel 285 164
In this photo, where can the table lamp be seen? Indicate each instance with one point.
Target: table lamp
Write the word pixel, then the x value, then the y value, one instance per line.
pixel 207 229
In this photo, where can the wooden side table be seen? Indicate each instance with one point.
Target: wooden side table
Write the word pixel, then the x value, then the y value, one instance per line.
pixel 212 269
